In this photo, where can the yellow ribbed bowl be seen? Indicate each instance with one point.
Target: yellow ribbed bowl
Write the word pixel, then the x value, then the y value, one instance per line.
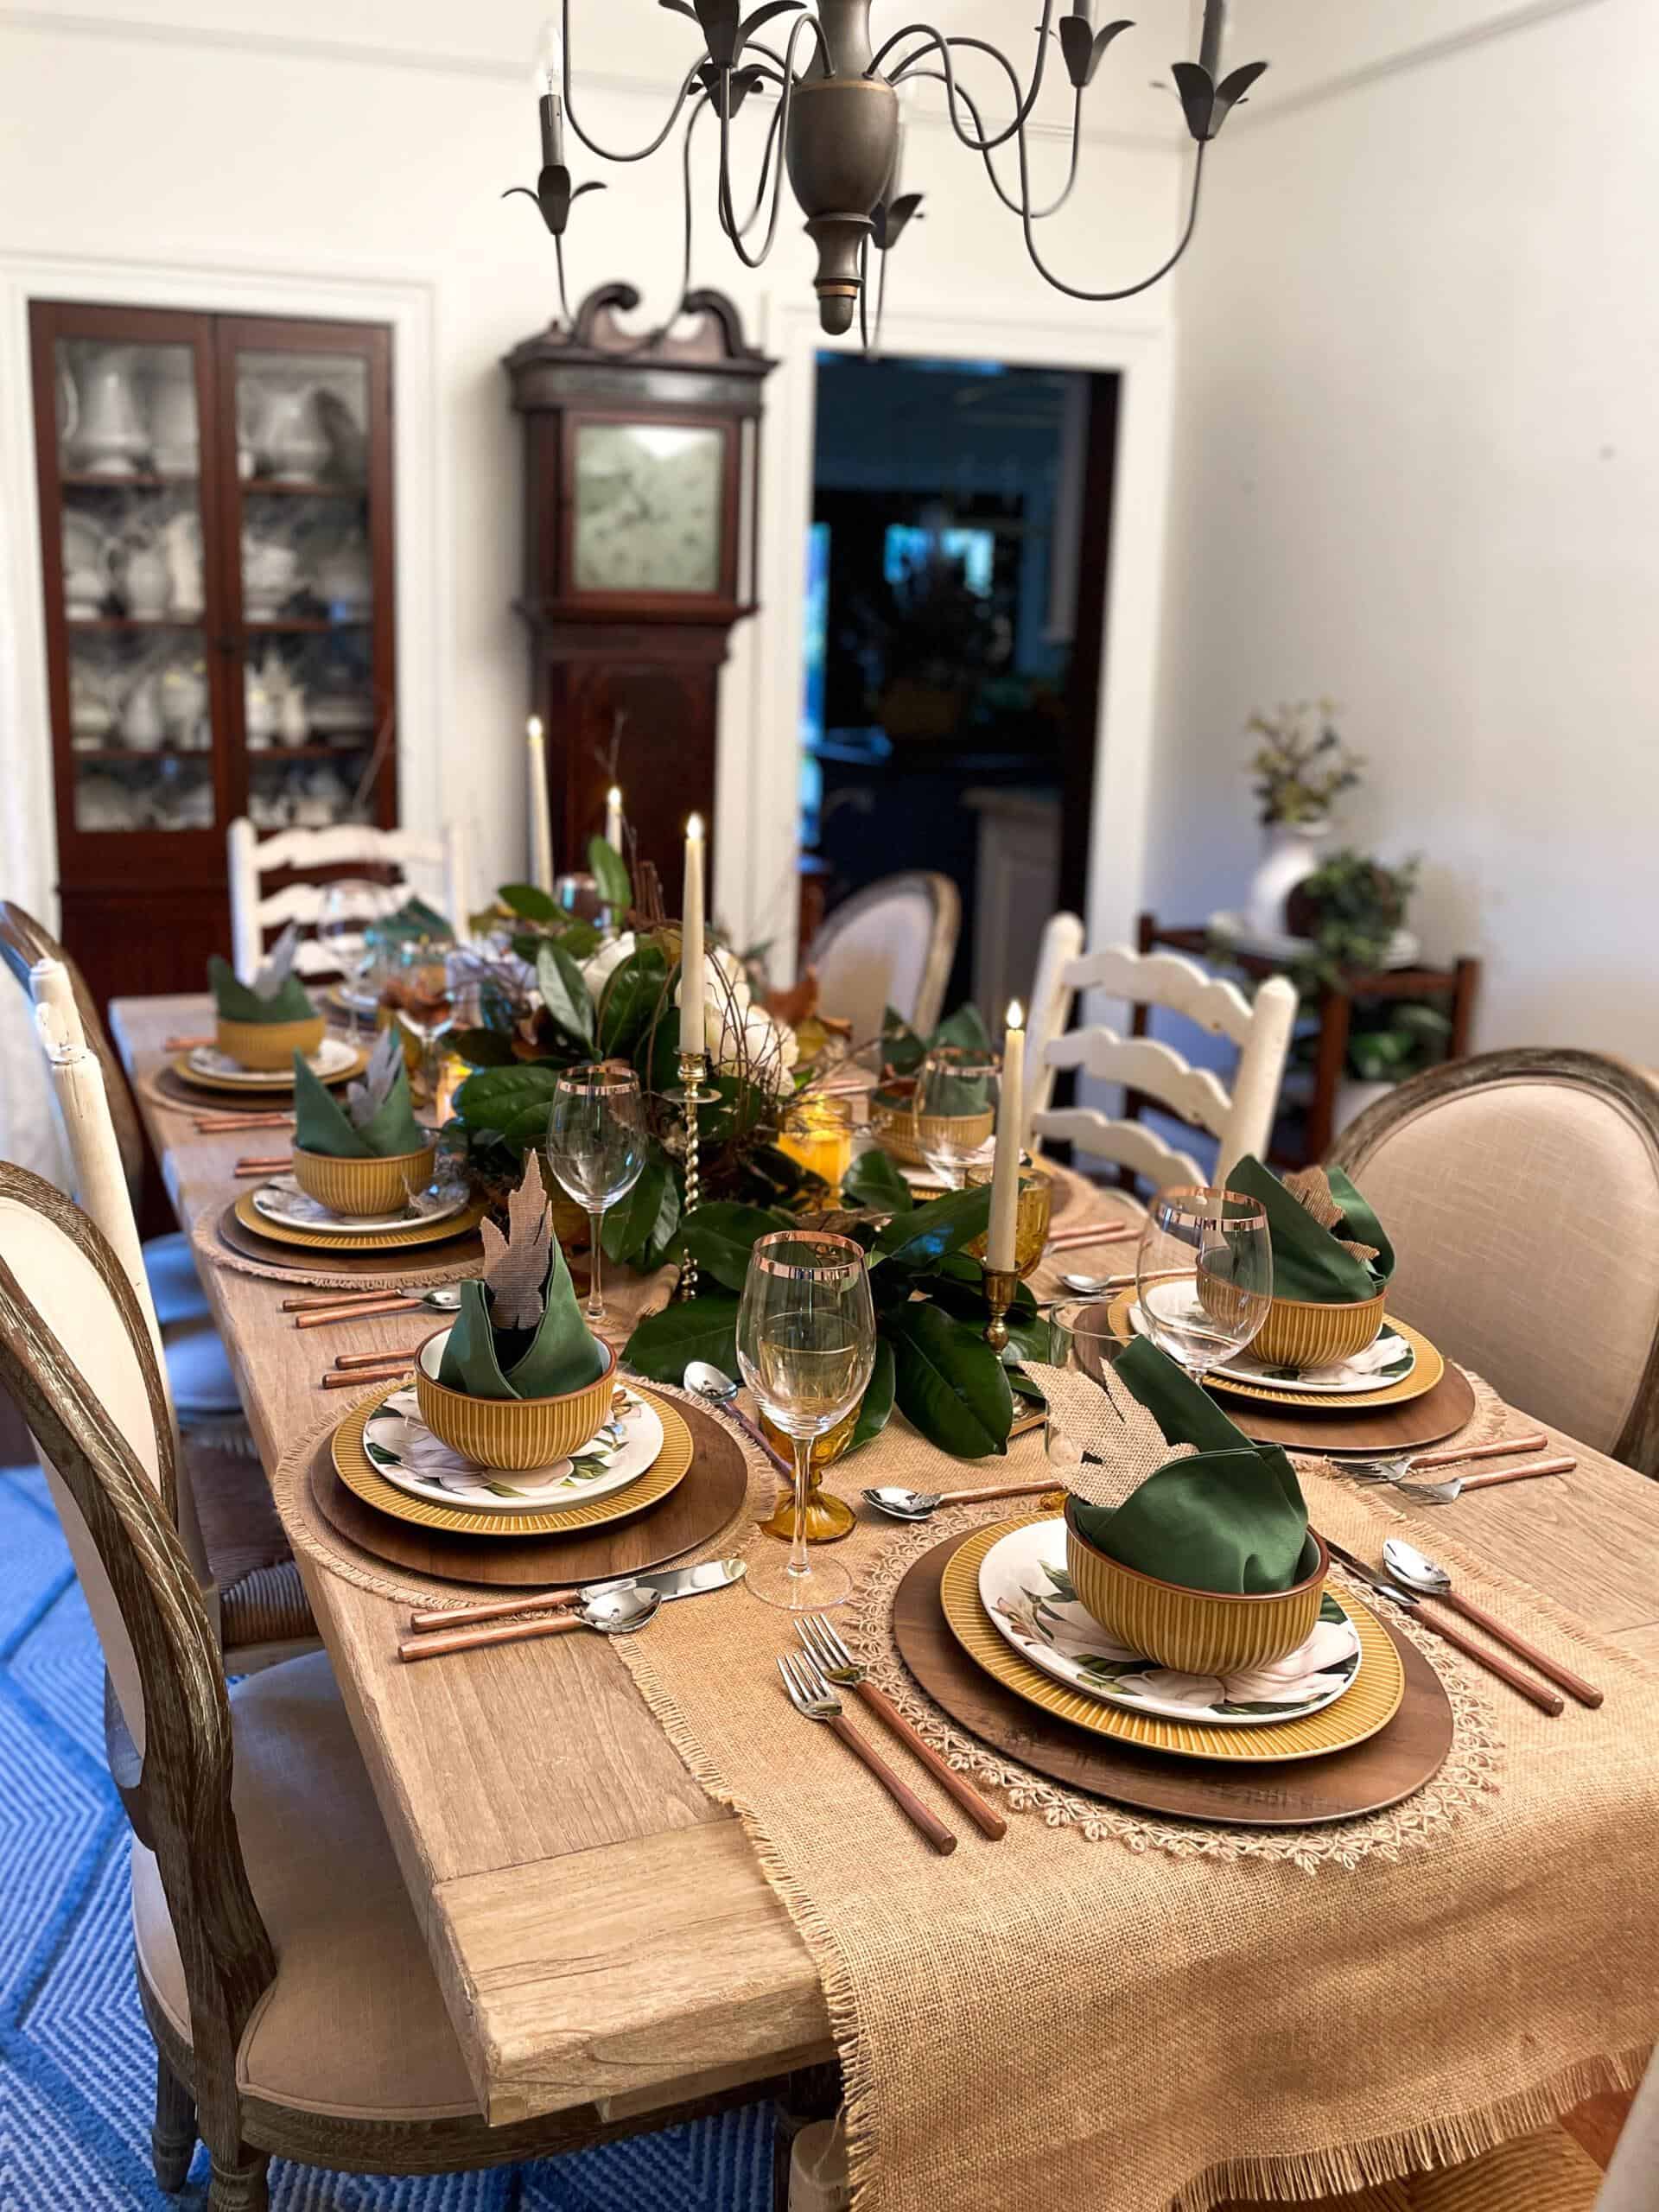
pixel 358 1188
pixel 515 1434
pixel 1300 1332
pixel 1199 1632
pixel 909 1137
pixel 268 1043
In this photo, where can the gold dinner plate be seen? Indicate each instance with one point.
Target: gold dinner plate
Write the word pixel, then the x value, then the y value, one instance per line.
pixel 373 1240
pixel 279 1080
pixel 1426 1370
pixel 359 1474
pixel 1368 1706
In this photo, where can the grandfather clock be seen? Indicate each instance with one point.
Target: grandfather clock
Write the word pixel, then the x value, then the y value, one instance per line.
pixel 643 468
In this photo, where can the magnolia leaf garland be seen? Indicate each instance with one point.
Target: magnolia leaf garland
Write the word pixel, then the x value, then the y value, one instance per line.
pixel 515 1266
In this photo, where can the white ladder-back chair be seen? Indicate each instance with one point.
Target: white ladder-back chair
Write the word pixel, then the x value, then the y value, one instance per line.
pixel 254 916
pixel 1051 996
pixel 890 945
pixel 1240 1121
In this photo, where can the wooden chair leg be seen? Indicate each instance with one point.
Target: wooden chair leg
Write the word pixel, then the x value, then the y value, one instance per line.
pixel 240 2185
pixel 173 2139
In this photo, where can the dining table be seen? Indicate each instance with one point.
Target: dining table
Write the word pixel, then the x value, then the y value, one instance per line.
pixel 607 1938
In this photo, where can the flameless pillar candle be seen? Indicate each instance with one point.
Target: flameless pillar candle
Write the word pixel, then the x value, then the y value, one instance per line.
pixel 614 817
pixel 541 819
pixel 691 975
pixel 1005 1173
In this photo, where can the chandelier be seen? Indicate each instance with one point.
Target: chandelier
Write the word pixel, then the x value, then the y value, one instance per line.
pixel 840 122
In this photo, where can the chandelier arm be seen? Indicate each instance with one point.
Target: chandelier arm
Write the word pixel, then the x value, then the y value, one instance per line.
pixel 558 258
pixel 593 145
pixel 780 122
pixel 773 135
pixel 863 299
pixel 881 308
pixel 1037 214
pixel 1023 103
pixel 1128 292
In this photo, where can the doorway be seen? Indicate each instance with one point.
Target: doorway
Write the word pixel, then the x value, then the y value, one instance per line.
pixel 954 643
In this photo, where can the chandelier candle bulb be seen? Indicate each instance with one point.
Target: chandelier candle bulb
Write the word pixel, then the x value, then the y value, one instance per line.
pixel 1215 20
pixel 614 817
pixel 541 819
pixel 691 972
pixel 1005 1176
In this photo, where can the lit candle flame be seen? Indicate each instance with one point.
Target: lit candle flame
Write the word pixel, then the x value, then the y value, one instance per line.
pixel 694 827
pixel 614 797
pixel 1016 1016
pixel 533 727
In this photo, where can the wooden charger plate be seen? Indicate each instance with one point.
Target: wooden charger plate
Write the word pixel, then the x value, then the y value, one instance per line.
pixel 171 1087
pixel 693 1513
pixel 464 1252
pixel 1300 1793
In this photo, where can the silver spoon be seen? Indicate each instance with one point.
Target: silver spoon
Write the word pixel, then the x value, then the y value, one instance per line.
pixel 1091 1285
pixel 613 1612
pixel 922 1504
pixel 1430 1579
pixel 713 1384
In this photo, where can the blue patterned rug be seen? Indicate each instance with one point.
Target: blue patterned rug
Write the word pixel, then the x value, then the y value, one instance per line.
pixel 77 2068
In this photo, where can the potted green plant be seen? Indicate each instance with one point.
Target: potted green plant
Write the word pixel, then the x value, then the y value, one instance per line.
pixel 1300 767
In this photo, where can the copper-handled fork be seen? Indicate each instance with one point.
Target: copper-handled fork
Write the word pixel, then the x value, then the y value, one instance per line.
pixel 225 1125
pixel 323 1317
pixel 837 1665
pixel 812 1696
pixel 1404 1470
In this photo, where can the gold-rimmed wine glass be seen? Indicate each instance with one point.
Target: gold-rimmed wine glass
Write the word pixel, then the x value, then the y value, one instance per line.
pixel 1204 1275
pixel 806 1344
pixel 953 1110
pixel 596 1144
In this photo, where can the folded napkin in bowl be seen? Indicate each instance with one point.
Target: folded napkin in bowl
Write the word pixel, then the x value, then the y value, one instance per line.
pixel 1328 1246
pixel 413 921
pixel 276 993
pixel 377 1121
pixel 904 1053
pixel 519 1332
pixel 1207 1508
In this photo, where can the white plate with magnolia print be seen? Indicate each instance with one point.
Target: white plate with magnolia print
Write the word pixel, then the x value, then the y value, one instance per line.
pixel 282 1199
pixel 332 1058
pixel 1025 1588
pixel 1390 1358
pixel 404 1450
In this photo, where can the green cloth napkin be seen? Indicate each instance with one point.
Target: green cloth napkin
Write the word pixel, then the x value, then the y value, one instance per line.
pixel 239 1002
pixel 557 1354
pixel 413 920
pixel 1308 1260
pixel 321 1123
pixel 1231 1518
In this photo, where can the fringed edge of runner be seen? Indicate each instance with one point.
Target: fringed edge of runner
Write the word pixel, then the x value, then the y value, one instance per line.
pixel 1430 2147
pixel 840 1996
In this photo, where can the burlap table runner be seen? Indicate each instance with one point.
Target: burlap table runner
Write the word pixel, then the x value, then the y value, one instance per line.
pixel 1204 2013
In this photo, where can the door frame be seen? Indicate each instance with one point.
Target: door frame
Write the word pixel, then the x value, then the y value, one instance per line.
pixel 759 774
pixel 213 284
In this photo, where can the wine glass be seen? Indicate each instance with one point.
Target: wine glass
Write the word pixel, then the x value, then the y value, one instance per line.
pixel 1204 1275
pixel 596 1147
pixel 806 1344
pixel 416 989
pixel 953 1111
pixel 346 919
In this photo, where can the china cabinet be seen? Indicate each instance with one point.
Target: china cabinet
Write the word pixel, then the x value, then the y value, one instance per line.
pixel 216 526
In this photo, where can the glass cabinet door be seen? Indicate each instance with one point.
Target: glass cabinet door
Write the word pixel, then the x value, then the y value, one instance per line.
pixel 135 591
pixel 306 514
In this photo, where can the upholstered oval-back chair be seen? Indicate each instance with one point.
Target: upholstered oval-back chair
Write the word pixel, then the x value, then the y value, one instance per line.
pixel 1521 1191
pixel 890 945
pixel 295 2009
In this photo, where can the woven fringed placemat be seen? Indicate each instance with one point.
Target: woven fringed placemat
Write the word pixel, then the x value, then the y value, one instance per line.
pixel 209 1245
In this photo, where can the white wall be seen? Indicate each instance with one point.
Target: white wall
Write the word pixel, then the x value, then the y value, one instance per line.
pixel 356 144
pixel 1417 468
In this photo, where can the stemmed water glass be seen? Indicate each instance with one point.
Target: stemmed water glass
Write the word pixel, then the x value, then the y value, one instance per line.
pixel 806 1344
pixel 1204 1275
pixel 955 1111
pixel 596 1149
pixel 350 907
pixel 415 990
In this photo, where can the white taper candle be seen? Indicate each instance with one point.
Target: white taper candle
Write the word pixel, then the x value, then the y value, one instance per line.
pixel 541 819
pixel 691 975
pixel 1010 1118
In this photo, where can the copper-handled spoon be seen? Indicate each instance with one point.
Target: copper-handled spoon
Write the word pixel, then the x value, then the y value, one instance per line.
pixel 1426 1577
pixel 613 1612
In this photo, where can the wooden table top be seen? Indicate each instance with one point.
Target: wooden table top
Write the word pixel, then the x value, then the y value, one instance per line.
pixel 601 1930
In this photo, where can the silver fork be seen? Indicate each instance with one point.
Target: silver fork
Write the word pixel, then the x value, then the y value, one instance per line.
pixel 1403 1468
pixel 810 1695
pixel 837 1664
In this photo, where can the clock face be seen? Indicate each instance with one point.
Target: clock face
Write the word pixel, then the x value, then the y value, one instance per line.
pixel 648 507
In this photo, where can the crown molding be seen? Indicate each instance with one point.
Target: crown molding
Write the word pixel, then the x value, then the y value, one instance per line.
pixel 1260 114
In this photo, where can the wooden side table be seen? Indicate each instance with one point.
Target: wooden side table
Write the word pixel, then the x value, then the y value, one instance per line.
pixel 1458 983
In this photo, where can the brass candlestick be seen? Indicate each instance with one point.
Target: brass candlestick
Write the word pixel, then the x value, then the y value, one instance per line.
pixel 692 1094
pixel 1000 1284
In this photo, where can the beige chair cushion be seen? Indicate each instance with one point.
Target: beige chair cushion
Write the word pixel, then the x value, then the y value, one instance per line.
pixel 1525 1214
pixel 353 2025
